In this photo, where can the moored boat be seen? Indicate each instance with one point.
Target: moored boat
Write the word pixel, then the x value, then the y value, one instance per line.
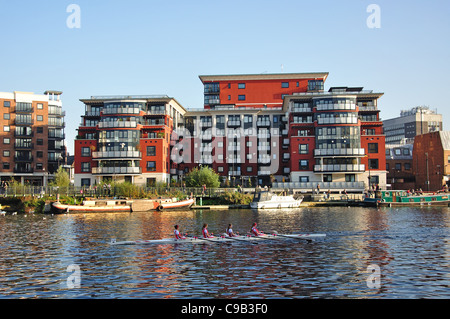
pixel 174 204
pixel 269 200
pixel 95 206
pixel 403 198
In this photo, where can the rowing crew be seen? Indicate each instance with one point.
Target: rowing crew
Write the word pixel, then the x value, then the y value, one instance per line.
pixel 254 231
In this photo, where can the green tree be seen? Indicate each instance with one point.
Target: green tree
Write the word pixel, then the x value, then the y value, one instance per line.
pixel 204 176
pixel 62 178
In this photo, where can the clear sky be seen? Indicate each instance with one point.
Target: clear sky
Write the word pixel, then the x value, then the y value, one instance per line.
pixel 142 47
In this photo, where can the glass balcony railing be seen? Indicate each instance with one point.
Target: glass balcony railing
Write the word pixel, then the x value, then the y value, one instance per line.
pixel 117 154
pixel 116 170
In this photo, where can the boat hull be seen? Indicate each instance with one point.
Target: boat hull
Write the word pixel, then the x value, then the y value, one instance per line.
pixel 176 205
pixel 194 240
pixel 90 209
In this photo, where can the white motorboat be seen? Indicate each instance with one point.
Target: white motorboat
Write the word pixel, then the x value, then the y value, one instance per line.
pixel 269 200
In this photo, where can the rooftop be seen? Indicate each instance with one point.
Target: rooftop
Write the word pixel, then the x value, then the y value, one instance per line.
pixel 264 76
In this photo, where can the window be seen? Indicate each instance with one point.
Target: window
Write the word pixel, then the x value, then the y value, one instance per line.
pixel 350 178
pixel 6 165
pixel 40 130
pixel 241 97
pixel 327 178
pixel 407 166
pixel 85 182
pixel 6 153
pixel 40 106
pixel 39 154
pixel 387 166
pixel 6 140
pixel 6 103
pixel 303 165
pixel 285 85
pixel 39 166
pixel 39 141
pixel 373 164
pixel 398 166
pixel 220 169
pixel 241 86
pixel 151 150
pixel 85 151
pixel 6 116
pixel 370 131
pixel 303 149
pixel 398 151
pixel 304 179
pixel 249 144
pixel 39 118
pixel 85 167
pixel 373 148
pixel 151 166
pixel 405 151
pixel 6 128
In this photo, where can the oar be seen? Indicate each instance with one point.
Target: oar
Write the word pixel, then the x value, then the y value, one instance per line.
pixel 240 240
pixel 211 241
pixel 299 238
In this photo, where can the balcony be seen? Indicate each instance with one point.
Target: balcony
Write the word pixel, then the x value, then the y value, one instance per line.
pixel 339 152
pixel 233 123
pixel 235 147
pixel 117 154
pixel 118 124
pixel 116 170
pixel 205 123
pixel 340 168
pixel 337 120
pixel 336 106
pixel 234 173
pixel 121 110
pixel 263 123
pixel 23 158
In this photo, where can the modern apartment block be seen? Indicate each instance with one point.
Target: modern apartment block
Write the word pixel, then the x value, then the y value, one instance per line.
pixel 416 121
pixel 254 129
pixel 32 136
pixel 126 138
pixel 284 129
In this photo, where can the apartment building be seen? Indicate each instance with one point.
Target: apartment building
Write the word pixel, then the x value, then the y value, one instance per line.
pixel 126 138
pixel 254 129
pixel 283 129
pixel 415 121
pixel 32 136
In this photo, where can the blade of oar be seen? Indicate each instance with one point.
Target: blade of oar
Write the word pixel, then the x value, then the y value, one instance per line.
pixel 240 240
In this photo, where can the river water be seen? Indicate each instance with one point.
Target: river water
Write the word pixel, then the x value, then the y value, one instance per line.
pixel 69 256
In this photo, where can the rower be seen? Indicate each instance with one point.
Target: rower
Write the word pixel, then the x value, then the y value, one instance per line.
pixel 255 230
pixel 177 233
pixel 230 232
pixel 205 231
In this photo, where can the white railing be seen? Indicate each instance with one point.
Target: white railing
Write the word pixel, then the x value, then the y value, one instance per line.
pixel 117 154
pixel 116 170
pixel 324 186
pixel 118 124
pixel 338 120
pixel 340 168
pixel 340 152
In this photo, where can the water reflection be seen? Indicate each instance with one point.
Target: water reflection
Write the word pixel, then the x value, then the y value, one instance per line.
pixel 411 247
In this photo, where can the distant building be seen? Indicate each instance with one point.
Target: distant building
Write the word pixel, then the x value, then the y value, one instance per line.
pixel 416 121
pixel 399 165
pixel 431 160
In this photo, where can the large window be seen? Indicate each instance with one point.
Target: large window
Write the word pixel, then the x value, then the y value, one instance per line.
pixel 151 166
pixel 373 148
pixel 86 167
pixel 151 150
pixel 85 151
pixel 303 149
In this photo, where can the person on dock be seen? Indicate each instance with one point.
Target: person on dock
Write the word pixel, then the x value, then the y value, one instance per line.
pixel 255 230
pixel 177 233
pixel 230 232
pixel 205 232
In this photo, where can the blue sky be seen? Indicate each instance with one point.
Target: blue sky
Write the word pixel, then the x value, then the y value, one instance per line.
pixel 160 47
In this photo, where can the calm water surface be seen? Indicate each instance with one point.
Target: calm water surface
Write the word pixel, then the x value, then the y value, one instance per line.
pixel 410 246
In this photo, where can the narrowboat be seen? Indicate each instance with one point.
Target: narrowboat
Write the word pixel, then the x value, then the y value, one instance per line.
pixel 391 198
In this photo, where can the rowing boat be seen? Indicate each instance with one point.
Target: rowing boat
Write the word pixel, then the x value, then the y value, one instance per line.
pixel 223 239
